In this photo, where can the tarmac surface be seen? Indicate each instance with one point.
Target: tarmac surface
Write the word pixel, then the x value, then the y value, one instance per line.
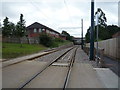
pixel 14 76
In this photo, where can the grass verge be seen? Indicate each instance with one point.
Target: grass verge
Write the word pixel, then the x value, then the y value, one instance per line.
pixel 13 50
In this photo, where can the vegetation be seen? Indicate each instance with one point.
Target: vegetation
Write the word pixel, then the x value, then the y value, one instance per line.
pixel 20 28
pixel 51 42
pixel 12 50
pixel 104 32
pixel 101 17
pixel 45 40
pixel 68 37
pixel 59 42
pixel 9 29
pixel 6 29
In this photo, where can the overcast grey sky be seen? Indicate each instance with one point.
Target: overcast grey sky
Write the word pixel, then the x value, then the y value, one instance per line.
pixel 58 13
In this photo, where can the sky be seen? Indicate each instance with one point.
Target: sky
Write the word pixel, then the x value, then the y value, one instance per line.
pixel 58 14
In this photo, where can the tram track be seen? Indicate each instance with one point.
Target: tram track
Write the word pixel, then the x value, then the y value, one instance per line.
pixel 70 64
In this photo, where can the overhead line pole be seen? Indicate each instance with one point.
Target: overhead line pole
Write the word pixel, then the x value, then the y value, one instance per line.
pixel 92 32
pixel 82 33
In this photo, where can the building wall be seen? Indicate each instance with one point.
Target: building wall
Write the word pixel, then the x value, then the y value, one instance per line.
pixel 31 33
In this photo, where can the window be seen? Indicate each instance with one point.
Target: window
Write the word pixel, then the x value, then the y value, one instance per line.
pixel 47 31
pixel 35 30
pixel 53 33
pixel 40 30
pixel 43 29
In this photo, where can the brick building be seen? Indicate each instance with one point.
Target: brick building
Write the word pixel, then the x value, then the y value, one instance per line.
pixel 36 28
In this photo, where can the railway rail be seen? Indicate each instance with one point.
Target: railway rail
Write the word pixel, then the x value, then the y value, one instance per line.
pixel 70 64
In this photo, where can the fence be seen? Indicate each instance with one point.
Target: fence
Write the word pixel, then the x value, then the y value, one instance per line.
pixel 23 40
pixel 111 47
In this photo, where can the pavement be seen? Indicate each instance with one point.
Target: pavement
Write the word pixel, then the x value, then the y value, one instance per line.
pixel 101 75
pixel 20 59
pixel 109 79
pixel 20 73
pixel 114 65
pixel 84 76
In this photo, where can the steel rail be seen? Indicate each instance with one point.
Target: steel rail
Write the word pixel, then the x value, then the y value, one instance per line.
pixel 70 69
pixel 44 68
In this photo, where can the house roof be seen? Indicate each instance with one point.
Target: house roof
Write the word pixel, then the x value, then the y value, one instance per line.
pixel 38 25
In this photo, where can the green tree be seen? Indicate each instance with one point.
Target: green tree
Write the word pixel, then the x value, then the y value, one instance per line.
pixel 12 29
pixel 101 17
pixel 20 28
pixel 87 36
pixel 104 32
pixel 68 37
pixel 6 28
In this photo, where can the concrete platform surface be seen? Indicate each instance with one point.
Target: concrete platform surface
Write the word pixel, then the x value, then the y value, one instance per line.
pixel 53 77
pixel 109 79
pixel 19 59
pixel 15 75
pixel 84 76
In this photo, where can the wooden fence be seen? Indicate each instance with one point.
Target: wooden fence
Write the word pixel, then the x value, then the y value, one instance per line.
pixel 23 40
pixel 111 47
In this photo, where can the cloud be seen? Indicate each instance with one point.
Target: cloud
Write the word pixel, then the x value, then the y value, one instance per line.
pixel 55 14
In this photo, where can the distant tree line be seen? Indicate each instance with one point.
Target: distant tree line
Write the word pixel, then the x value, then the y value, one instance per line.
pixel 104 32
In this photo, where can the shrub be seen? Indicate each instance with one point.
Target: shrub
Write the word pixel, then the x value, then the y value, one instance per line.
pixel 59 40
pixel 45 40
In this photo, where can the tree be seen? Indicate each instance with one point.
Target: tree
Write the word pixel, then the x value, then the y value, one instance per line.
pixel 68 37
pixel 6 28
pixel 104 32
pixel 20 28
pixel 87 36
pixel 12 29
pixel 101 17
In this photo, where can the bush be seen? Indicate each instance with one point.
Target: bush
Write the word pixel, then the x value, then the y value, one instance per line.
pixel 54 44
pixel 45 40
pixel 59 40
